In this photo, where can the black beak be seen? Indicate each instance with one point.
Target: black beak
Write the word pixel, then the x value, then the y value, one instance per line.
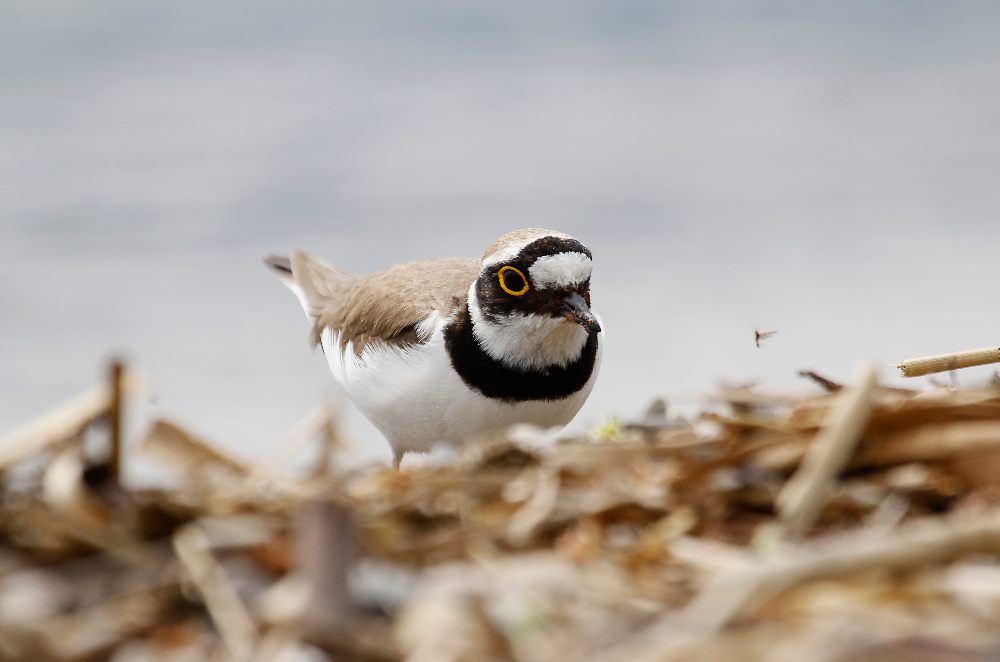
pixel 575 308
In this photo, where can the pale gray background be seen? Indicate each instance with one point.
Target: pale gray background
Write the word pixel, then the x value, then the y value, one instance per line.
pixel 826 169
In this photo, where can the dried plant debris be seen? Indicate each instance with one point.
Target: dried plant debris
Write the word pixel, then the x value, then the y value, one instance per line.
pixel 947 362
pixel 858 522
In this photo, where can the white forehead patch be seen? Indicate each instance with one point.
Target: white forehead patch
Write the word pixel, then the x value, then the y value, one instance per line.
pixel 560 270
pixel 506 255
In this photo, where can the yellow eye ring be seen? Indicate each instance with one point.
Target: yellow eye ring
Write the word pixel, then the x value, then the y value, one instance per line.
pixel 506 289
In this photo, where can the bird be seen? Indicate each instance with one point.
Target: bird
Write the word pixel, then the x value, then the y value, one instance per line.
pixel 444 350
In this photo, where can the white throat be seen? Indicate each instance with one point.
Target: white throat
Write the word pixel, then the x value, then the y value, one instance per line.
pixel 527 341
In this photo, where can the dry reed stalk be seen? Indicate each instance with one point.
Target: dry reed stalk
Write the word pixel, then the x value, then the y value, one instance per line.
pixel 927 365
pixel 177 447
pixel 115 415
pixel 536 509
pixel 319 424
pixel 801 499
pixel 914 544
pixel 89 633
pixel 930 442
pixel 231 618
pixel 64 421
pixel 743 585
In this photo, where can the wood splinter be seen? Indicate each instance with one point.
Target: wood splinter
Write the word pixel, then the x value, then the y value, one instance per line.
pixel 944 362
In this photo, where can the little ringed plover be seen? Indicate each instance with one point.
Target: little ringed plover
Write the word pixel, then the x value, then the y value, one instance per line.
pixel 439 351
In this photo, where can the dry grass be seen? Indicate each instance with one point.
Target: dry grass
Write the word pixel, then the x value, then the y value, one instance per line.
pixel 860 523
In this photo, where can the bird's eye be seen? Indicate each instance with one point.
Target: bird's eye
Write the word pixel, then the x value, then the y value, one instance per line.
pixel 513 281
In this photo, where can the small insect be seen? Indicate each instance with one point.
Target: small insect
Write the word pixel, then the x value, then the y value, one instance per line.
pixel 761 335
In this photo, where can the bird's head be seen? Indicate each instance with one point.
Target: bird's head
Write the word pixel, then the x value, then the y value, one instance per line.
pixel 530 305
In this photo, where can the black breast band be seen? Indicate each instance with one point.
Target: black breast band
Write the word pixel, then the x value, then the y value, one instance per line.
pixel 493 379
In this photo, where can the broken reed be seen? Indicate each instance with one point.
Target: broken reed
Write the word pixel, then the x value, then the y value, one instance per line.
pixel 944 362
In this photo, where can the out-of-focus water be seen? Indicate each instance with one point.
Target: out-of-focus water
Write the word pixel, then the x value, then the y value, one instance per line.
pixel 828 170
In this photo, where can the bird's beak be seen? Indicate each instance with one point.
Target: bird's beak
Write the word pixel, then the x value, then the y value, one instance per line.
pixel 575 308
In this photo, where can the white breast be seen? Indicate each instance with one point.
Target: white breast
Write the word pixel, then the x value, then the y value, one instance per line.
pixel 416 399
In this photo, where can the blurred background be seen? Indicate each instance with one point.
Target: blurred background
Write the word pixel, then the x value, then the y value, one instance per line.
pixel 826 169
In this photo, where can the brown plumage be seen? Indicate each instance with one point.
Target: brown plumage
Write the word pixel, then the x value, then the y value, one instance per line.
pixel 385 306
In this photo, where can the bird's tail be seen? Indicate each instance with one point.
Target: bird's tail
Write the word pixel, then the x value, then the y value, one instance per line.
pixel 319 287
pixel 281 265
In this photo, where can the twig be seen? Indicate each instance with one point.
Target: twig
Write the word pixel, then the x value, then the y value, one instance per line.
pixel 803 496
pixel 328 547
pixel 934 441
pixel 732 591
pixel 321 420
pixel 708 555
pixel 366 639
pixel 183 450
pixel 61 422
pixel 828 385
pixel 944 362
pixel 115 423
pixel 230 616
pixel 122 548
pixel 528 518
pixel 911 545
pixel 331 441
pixel 90 633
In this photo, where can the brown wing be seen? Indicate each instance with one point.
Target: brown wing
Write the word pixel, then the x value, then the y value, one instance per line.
pixel 386 306
pixel 324 287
